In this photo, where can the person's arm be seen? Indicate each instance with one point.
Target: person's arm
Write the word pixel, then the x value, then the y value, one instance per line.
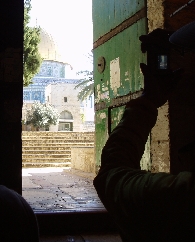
pixel 139 200
pixel 126 143
pixel 146 204
pixel 142 204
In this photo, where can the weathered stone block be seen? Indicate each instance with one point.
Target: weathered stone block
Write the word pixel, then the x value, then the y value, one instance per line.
pixel 160 157
pixel 82 158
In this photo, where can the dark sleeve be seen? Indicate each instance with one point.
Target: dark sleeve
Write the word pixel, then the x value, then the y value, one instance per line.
pixel 126 143
pixel 146 205
pixel 139 199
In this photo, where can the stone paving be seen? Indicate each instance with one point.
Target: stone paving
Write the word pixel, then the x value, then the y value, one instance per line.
pixel 59 189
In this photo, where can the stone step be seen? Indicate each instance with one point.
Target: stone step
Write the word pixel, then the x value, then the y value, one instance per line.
pixel 58 133
pixel 30 151
pixel 52 149
pixel 57 137
pixel 46 148
pixel 49 159
pixel 46 164
pixel 39 143
pixel 56 141
pixel 45 156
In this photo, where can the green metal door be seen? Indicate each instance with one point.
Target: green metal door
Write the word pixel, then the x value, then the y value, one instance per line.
pixel 117 26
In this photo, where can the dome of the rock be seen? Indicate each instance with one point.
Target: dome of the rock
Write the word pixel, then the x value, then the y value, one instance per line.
pixel 47 47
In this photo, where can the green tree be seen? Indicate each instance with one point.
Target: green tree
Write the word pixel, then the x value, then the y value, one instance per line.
pixel 86 84
pixel 31 56
pixel 42 115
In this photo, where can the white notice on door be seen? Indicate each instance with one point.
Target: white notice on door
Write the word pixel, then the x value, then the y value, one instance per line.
pixel 115 75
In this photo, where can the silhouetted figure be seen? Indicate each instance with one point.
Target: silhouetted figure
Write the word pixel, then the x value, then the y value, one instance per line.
pixel 147 206
pixel 17 220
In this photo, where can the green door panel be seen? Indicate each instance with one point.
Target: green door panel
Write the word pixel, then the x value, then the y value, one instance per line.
pixel 121 76
pixel 145 162
pixel 108 14
pixel 101 134
pixel 116 115
pixel 122 71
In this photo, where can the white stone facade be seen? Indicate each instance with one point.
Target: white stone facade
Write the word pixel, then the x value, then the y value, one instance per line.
pixel 63 97
pixel 87 109
pixel 74 115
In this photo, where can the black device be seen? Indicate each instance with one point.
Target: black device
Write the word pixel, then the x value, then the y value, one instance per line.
pixel 158 59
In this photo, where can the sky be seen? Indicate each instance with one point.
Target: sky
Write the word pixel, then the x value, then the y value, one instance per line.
pixel 69 22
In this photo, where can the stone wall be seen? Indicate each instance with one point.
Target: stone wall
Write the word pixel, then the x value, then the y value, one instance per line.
pixel 11 79
pixel 174 127
pixel 160 154
pixel 155 14
pixel 82 158
pixel 182 101
pixel 160 133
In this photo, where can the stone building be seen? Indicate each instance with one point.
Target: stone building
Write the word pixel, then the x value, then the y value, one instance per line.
pixel 50 85
pixel 51 70
pixel 74 115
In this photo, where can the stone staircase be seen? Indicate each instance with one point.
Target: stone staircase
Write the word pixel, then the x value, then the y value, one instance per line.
pixel 52 149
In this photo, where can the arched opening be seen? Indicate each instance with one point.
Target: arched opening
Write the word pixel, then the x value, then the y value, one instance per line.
pixel 65 121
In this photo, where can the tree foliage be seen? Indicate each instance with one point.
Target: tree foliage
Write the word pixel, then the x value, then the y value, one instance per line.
pixel 86 85
pixel 42 115
pixel 31 56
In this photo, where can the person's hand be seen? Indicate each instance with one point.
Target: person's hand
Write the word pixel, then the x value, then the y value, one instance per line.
pixel 158 37
pixel 158 89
